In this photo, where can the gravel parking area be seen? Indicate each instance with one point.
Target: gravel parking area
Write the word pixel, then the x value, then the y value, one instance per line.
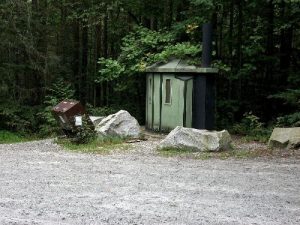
pixel 40 183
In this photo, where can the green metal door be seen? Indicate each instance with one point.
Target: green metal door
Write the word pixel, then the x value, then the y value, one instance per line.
pixel 172 103
pixel 156 106
pixel 176 102
pixel 149 101
pixel 153 99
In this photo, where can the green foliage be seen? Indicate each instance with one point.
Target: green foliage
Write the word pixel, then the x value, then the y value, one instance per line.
pixel 185 50
pixel 16 117
pixel 251 122
pixel 8 137
pixel 110 70
pixel 291 120
pixel 291 97
pixel 101 111
pixel 85 133
pixel 226 110
pixel 140 46
pixel 59 91
pixel 252 128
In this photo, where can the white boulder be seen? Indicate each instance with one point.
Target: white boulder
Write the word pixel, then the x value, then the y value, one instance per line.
pixel 120 124
pixel 197 140
pixel 285 138
pixel 95 120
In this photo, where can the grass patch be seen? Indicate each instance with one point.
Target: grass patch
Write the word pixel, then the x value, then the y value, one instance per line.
pixel 103 145
pixel 8 137
pixel 172 152
pixel 258 138
pixel 233 153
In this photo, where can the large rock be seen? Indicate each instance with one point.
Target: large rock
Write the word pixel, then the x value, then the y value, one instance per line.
pixel 121 124
pixel 197 140
pixel 95 120
pixel 285 138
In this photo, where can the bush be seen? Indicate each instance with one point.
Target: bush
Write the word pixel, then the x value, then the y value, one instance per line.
pixel 252 128
pixel 101 111
pixel 85 133
pixel 59 91
pixel 291 120
pixel 16 117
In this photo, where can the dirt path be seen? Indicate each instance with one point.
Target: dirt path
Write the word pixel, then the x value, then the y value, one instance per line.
pixel 42 184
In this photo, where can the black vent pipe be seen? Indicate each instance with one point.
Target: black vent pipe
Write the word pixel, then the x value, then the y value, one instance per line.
pixel 207 30
pixel 203 96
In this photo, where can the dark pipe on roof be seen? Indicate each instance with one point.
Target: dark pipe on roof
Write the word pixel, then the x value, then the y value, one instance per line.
pixel 206 44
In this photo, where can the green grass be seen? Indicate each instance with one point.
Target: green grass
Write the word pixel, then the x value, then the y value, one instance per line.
pixel 172 152
pixel 7 137
pixel 98 146
pixel 258 138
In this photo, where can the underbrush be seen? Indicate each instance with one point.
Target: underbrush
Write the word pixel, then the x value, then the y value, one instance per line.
pixel 251 129
pixel 8 137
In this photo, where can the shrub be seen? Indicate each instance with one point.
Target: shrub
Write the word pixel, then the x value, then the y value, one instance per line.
pixel 85 133
pixel 252 127
pixel 16 117
pixel 59 91
pixel 291 120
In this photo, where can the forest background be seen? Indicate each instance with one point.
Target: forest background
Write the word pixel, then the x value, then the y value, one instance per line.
pixel 96 51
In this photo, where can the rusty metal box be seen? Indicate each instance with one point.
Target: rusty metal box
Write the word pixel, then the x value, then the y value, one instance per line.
pixel 66 111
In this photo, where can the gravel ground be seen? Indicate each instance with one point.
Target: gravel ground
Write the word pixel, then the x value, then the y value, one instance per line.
pixel 42 184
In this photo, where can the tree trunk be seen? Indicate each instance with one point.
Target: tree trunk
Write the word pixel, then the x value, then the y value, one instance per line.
pixel 239 45
pixel 270 40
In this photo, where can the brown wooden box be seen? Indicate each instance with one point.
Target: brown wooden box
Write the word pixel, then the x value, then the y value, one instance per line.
pixel 66 111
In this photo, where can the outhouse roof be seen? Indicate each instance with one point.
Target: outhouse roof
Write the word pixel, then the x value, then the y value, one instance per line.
pixel 178 66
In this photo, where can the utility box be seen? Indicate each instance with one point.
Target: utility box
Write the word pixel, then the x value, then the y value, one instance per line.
pixel 179 94
pixel 65 113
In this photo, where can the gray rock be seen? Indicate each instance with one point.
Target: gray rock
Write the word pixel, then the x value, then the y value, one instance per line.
pixel 95 119
pixel 285 138
pixel 120 124
pixel 197 140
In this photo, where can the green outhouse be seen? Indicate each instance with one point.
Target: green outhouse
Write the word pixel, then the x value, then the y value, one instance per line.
pixel 179 94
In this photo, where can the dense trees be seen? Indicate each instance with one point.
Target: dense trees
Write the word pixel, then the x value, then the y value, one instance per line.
pixel 100 47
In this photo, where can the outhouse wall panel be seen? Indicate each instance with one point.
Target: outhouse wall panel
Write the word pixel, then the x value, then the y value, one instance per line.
pixel 149 101
pixel 172 113
pixel 156 102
